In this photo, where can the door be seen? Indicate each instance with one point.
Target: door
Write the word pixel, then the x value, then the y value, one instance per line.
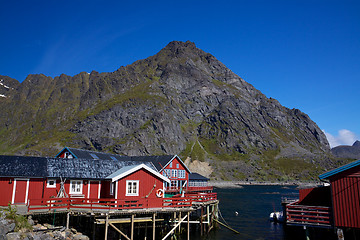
pixel 20 191
pixel 94 189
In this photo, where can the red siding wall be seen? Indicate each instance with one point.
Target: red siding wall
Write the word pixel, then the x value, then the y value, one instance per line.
pixel 6 190
pixel 346 198
pixel 319 196
pixel 146 187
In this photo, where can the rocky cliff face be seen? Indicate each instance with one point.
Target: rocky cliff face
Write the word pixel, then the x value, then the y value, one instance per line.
pixel 180 101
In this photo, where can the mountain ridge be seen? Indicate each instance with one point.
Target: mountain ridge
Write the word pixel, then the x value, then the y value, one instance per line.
pixel 181 100
pixel 344 151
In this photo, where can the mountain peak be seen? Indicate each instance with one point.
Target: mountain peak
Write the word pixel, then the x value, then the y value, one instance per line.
pixel 180 49
pixel 174 45
pixel 356 143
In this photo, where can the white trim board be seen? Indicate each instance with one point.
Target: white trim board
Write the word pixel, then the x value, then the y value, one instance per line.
pixel 136 168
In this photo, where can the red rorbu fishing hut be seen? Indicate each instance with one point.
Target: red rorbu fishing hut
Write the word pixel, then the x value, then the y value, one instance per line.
pixel 335 205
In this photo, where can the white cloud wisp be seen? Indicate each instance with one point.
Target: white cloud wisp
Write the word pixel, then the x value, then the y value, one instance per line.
pixel 344 137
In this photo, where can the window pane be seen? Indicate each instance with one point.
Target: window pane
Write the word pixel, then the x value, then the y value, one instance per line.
pixel 134 187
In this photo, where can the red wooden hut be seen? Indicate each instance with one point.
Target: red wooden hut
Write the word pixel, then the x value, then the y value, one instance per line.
pixel 336 205
pixel 345 194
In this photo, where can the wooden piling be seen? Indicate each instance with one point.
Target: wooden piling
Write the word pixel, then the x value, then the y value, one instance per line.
pixel 201 221
pixel 132 227
pixel 153 226
pixel 68 220
pixel 106 226
pixel 188 225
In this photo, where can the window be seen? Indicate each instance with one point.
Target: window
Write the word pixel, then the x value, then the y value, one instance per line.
pixel 181 173
pixel 113 158
pixel 76 187
pixel 171 164
pixel 168 173
pixel 177 165
pixel 51 183
pixel 174 173
pixel 132 188
pixel 112 185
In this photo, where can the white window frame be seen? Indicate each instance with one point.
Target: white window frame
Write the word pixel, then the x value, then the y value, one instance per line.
pixel 112 187
pixel 182 174
pixel 170 165
pixel 177 165
pixel 168 173
pixel 132 193
pixel 174 173
pixel 48 185
pixel 76 183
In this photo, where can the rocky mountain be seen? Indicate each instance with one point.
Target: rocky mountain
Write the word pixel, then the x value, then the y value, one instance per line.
pixel 7 86
pixel 351 152
pixel 180 101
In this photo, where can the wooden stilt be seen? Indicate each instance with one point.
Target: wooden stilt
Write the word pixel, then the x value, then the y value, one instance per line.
pixel 307 233
pixel 106 226
pixel 201 221
pixel 146 230
pixel 153 226
pixel 179 221
pixel 118 230
pixel 68 220
pixel 173 229
pixel 132 227
pixel 94 230
pixel 208 218
pixel 188 225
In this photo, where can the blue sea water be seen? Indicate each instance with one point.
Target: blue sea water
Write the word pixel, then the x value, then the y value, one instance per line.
pixel 254 204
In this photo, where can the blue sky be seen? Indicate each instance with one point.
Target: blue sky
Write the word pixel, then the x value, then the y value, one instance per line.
pixel 306 54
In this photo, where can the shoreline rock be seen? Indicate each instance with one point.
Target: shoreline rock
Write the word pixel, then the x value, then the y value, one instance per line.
pixel 39 231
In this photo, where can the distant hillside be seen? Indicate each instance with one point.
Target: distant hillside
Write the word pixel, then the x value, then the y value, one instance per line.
pixel 180 101
pixel 352 152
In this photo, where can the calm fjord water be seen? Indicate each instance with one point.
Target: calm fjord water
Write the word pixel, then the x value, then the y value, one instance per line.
pixel 253 204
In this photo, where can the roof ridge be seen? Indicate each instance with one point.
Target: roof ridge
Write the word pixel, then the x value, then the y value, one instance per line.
pixel 86 150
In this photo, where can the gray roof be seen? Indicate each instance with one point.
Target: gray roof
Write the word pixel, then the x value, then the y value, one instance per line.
pixel 197 177
pixel 88 154
pixel 21 166
pixel 159 161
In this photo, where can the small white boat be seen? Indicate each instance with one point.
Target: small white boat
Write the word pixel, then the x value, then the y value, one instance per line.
pixel 276 217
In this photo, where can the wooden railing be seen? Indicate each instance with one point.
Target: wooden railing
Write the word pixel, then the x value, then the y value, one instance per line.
pixel 197 197
pixel 177 201
pixel 190 189
pixel 308 215
pixel 85 203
